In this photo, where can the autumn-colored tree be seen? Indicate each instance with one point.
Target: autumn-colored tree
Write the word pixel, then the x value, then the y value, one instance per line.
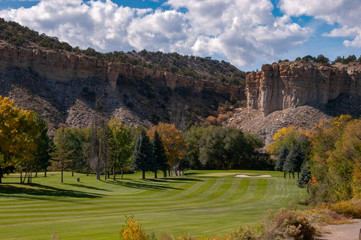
pixel 173 142
pixel 132 230
pixel 287 136
pixel 334 164
pixel 18 128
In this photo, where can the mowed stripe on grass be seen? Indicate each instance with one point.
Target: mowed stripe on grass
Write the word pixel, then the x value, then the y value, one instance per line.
pixel 202 203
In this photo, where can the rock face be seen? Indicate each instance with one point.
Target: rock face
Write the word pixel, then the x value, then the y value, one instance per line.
pixel 65 66
pixel 78 90
pixel 289 85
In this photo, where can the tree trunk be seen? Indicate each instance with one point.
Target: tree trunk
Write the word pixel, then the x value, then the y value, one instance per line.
pixel 122 173
pixel 45 172
pixel 165 173
pixel 62 171
pixel 143 176
pixel 284 175
pixel 23 180
pixel 21 177
pixel 30 178
pixel 289 174
pixel 114 173
pixel 72 173
pixel 293 174
pixel 98 174
pixel 1 175
pixel 155 174
pixel 36 173
pixel 169 173
pixel 298 175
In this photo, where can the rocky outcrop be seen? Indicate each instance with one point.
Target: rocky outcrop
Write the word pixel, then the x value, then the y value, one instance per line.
pixel 78 90
pixel 289 85
pixel 65 66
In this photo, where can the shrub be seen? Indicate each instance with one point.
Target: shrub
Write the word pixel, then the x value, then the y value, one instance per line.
pixel 350 208
pixel 132 230
pixel 322 216
pixel 287 224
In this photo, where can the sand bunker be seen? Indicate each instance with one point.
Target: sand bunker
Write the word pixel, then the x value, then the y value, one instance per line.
pixel 245 176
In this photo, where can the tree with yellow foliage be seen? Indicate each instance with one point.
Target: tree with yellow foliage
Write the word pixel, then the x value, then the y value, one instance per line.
pixel 18 129
pixel 132 230
pixel 287 136
pixel 173 142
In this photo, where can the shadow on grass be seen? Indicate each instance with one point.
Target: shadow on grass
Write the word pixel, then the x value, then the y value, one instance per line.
pixel 186 179
pixel 142 184
pixel 85 186
pixel 12 190
pixel 191 173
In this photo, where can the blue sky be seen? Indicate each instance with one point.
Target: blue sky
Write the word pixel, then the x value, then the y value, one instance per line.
pixel 247 33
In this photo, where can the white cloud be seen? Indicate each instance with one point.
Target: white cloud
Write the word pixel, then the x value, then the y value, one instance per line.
pixel 242 31
pixel 344 13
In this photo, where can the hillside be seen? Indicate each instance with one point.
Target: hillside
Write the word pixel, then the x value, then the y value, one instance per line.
pixel 66 85
pixel 190 66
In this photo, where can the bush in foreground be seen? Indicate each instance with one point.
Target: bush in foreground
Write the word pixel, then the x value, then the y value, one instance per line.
pixel 132 230
pixel 282 224
pixel 285 224
pixel 350 208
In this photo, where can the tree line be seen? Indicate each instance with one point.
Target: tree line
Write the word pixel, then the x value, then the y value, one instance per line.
pixel 327 157
pixel 113 148
pixel 322 59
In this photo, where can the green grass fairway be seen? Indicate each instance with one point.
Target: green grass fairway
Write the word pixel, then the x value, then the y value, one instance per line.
pixel 201 203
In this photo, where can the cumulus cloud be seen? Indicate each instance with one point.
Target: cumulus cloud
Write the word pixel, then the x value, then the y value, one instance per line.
pixel 102 25
pixel 344 13
pixel 241 31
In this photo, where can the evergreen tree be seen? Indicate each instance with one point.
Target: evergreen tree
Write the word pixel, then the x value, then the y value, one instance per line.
pixel 298 158
pixel 305 176
pixel 282 159
pixel 161 160
pixel 289 166
pixel 143 154
pixel 42 141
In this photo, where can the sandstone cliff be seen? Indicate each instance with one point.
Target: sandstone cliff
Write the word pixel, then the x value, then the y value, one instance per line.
pixel 289 85
pixel 64 66
pixel 297 94
pixel 65 87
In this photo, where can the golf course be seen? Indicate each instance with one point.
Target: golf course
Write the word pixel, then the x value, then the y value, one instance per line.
pixel 200 203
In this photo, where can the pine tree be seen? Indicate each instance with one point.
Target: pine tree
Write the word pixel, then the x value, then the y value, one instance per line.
pixel 305 176
pixel 42 154
pixel 143 154
pixel 298 158
pixel 289 166
pixel 160 156
pixel 282 159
